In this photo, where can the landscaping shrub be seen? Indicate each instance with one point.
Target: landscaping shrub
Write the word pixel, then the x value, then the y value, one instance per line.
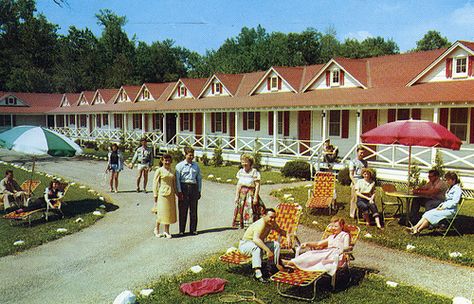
pixel 217 159
pixel 205 159
pixel 343 177
pixel 177 155
pixel 296 168
pixel 90 144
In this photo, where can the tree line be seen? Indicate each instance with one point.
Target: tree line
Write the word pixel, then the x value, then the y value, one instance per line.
pixel 35 58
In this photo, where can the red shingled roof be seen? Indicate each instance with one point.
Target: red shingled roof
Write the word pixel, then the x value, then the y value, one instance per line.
pixel 88 95
pixel 230 81
pixel 107 94
pixel 157 89
pixel 194 85
pixel 468 44
pixel 355 67
pixel 292 75
pixel 38 103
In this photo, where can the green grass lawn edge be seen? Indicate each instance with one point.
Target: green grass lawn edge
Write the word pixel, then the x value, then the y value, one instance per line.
pixel 80 202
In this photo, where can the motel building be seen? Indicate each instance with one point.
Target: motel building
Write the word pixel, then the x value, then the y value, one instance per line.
pixel 284 112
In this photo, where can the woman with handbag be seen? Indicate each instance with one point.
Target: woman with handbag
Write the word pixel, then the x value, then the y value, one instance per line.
pixel 248 205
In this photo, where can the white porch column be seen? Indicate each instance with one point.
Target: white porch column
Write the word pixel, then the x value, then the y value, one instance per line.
pixel 325 124
pixel 143 123
pixel 125 122
pixel 11 120
pixel 109 120
pixel 88 123
pixel 46 120
pixel 66 123
pixel 236 123
pixel 178 117
pixel 436 115
pixel 275 133
pixel 204 130
pixel 76 123
pixel 358 125
pixel 436 120
pixel 55 122
pixel 163 131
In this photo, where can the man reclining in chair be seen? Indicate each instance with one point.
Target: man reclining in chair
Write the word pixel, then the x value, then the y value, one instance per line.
pixel 13 195
pixel 253 243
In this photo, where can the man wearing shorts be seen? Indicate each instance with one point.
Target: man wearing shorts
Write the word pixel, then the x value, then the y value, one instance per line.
pixel 144 157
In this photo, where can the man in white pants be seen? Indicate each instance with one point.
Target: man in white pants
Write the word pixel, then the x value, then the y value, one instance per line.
pixel 253 243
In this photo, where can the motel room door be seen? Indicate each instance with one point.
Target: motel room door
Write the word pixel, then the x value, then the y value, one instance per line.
pixel 198 128
pixel 170 126
pixel 369 122
pixel 304 131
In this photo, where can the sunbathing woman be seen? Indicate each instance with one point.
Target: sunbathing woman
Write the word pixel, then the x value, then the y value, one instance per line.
pixel 323 255
pixel 446 209
pixel 365 191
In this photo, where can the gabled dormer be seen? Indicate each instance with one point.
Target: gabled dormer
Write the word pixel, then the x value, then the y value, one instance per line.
pixel 64 101
pixel 274 81
pixel 85 98
pixel 10 100
pixel 103 96
pixel 126 94
pixel 456 63
pixel 144 94
pixel 214 87
pixel 187 88
pixel 339 73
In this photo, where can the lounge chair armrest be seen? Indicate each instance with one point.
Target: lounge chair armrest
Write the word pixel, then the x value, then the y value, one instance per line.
pixel 310 193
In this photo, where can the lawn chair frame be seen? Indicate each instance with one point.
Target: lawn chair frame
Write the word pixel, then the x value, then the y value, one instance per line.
pixel 451 226
pixel 288 218
pixel 323 194
pixel 301 278
pixel 398 204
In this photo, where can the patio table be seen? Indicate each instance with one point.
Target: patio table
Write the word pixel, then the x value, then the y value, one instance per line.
pixel 408 197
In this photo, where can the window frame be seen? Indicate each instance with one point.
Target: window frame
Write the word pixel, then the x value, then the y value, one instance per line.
pixel 456 66
pixel 98 120
pixel 118 117
pixel 186 121
pixel 137 121
pixel 217 88
pixel 251 121
pixel 11 101
pixel 182 91
pixel 334 124
pixel 455 125
pixel 273 83
pixel 146 94
pixel 335 73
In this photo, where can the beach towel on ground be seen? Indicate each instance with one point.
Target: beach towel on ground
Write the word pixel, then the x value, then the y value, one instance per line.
pixel 203 287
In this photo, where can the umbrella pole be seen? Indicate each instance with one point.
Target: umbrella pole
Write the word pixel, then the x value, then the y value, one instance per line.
pixel 409 166
pixel 31 176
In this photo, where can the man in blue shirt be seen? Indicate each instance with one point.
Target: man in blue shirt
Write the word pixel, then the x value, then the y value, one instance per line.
pixel 188 185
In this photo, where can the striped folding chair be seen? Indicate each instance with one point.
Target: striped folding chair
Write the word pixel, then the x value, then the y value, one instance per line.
pixel 323 194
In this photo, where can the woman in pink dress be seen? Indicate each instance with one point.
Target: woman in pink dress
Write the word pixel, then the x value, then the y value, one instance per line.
pixel 323 255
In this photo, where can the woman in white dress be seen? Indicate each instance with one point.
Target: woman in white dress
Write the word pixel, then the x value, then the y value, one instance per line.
pixel 324 255
pixel 365 191
pixel 247 199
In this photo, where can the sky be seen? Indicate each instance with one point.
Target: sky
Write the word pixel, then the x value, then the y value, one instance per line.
pixel 206 24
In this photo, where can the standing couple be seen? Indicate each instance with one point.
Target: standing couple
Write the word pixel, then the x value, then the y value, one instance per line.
pixel 186 183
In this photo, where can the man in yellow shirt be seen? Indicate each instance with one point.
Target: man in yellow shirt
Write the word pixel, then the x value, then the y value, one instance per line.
pixel 253 242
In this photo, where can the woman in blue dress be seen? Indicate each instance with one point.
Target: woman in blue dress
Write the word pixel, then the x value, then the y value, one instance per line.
pixel 446 209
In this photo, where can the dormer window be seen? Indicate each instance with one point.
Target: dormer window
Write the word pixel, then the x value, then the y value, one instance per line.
pixel 123 96
pixel 460 68
pixel 182 91
pixel 335 78
pixel 217 88
pixel 146 94
pixel 274 83
pixel 11 100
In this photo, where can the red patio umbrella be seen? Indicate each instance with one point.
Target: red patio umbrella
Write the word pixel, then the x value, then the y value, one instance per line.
pixel 412 133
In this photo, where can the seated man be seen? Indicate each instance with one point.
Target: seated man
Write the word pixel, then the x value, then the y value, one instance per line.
pixel 253 242
pixel 330 152
pixel 13 195
pixel 432 194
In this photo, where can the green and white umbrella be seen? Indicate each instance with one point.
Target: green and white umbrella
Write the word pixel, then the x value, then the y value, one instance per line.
pixel 38 141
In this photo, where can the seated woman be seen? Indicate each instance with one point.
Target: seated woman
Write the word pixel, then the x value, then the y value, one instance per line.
pixel 323 255
pixel 365 191
pixel 330 152
pixel 446 209
pixel 51 193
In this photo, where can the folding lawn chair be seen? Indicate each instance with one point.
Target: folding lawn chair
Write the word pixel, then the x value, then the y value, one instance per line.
pixel 323 194
pixel 301 278
pixel 30 185
pixel 288 218
pixel 450 226
pixel 388 203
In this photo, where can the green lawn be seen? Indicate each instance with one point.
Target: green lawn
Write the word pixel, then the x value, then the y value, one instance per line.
pixel 365 287
pixel 79 203
pixel 429 243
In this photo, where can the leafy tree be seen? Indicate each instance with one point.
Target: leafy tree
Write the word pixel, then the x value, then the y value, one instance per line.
pixel 369 47
pixel 432 40
pixel 117 52
pixel 330 46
